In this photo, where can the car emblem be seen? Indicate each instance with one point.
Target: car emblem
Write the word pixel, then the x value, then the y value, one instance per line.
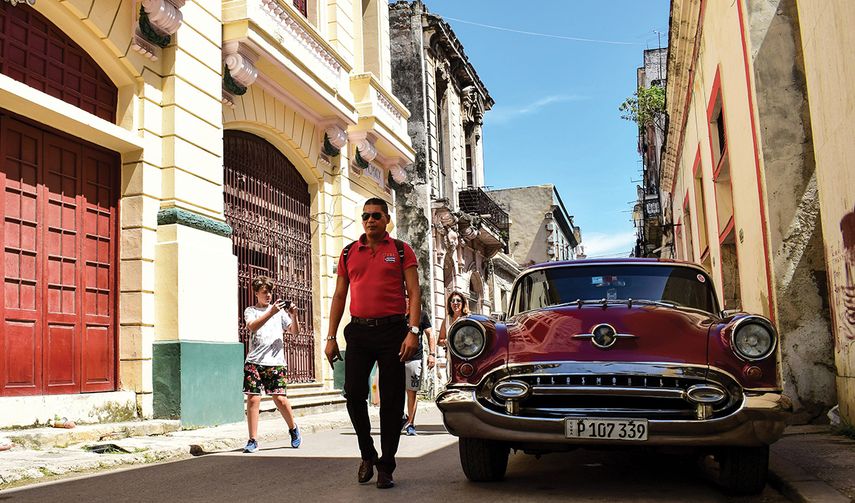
pixel 604 336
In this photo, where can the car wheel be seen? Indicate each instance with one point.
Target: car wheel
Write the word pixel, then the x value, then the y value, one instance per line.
pixel 743 470
pixel 483 460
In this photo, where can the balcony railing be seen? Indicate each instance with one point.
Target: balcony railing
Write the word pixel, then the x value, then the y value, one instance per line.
pixel 477 202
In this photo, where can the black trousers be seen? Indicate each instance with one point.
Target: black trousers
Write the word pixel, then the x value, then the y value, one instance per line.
pixel 365 346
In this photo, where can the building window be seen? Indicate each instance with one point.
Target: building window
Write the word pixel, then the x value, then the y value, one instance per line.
pixel 700 207
pixel 687 225
pixel 470 174
pixel 302 6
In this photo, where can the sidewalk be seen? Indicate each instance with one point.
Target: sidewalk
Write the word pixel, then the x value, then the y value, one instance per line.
pixel 812 464
pixel 44 453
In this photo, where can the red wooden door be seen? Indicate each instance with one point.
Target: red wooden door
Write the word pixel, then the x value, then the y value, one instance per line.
pixel 59 229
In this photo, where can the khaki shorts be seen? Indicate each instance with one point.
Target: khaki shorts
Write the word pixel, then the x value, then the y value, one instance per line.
pixel 413 375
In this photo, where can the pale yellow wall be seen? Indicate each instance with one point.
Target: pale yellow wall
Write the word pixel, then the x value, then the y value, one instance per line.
pixel 721 50
pixel 830 71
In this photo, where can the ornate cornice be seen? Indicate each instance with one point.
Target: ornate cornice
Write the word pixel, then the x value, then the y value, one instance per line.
pixel 683 43
pixel 442 39
pixel 288 27
pixel 189 219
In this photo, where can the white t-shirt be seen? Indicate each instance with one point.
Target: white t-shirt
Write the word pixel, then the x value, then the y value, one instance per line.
pixel 266 345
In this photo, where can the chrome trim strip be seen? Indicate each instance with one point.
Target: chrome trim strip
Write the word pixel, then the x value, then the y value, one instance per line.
pixel 607 391
pixel 619 336
pixel 607 412
pixel 759 420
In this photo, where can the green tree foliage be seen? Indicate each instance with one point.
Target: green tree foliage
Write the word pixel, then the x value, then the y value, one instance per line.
pixel 646 107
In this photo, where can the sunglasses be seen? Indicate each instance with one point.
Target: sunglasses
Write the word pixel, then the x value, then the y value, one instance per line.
pixel 375 215
pixel 456 301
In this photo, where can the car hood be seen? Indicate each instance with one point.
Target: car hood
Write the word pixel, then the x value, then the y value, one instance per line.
pixel 659 334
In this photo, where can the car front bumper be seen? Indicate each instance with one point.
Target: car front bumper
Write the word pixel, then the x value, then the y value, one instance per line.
pixel 759 420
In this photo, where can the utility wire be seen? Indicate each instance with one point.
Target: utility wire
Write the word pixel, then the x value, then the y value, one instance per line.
pixel 537 34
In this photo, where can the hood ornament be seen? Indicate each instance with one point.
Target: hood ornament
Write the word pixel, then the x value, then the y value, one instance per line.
pixel 604 336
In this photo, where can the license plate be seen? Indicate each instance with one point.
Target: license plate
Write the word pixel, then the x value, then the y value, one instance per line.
pixel 606 429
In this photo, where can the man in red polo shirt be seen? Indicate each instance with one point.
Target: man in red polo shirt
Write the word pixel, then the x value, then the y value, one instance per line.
pixel 376 268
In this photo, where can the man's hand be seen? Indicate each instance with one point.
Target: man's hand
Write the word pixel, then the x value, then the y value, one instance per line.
pixel 409 346
pixel 431 361
pixel 332 353
pixel 277 306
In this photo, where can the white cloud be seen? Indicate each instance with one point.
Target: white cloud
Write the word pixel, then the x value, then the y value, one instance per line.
pixel 504 114
pixel 598 245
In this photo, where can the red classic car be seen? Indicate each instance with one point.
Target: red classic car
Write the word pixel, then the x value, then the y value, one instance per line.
pixel 615 352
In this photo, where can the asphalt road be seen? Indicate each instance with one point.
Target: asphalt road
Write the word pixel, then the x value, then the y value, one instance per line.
pixel 324 469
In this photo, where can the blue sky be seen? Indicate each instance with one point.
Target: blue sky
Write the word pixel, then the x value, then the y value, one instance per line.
pixel 556 116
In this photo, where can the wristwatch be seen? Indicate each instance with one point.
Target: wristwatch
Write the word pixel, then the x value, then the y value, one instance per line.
pixel 415 330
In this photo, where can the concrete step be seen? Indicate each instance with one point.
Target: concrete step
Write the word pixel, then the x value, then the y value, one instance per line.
pixel 46 438
pixel 309 398
pixel 306 399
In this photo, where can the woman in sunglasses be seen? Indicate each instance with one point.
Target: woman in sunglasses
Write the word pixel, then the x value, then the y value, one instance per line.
pixel 455 308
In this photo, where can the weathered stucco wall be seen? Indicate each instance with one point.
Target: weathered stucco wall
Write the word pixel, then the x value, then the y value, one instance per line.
pixel 527 208
pixel 826 34
pixel 793 207
pixel 412 201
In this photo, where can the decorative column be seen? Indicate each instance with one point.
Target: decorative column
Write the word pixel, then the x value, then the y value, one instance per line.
pixel 197 357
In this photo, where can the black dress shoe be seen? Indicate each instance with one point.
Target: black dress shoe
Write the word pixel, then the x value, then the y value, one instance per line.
pixel 384 480
pixel 366 471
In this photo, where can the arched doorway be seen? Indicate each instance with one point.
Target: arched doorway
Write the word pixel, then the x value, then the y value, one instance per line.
pixel 267 205
pixel 60 224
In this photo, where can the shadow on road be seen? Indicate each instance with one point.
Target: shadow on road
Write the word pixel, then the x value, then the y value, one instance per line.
pixel 428 470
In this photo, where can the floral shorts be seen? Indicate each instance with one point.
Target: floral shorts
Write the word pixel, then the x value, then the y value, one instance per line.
pixel 258 379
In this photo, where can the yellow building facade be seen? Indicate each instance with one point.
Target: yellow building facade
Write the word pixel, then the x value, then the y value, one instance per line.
pixel 241 138
pixel 742 180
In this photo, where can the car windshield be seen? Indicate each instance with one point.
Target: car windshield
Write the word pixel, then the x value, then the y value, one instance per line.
pixel 676 285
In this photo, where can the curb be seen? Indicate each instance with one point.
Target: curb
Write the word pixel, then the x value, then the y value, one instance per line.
pixel 800 486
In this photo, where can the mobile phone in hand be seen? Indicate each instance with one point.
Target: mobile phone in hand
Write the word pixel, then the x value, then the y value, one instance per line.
pixel 287 304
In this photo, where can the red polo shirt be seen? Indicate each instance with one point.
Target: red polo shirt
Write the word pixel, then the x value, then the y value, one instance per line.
pixel 376 278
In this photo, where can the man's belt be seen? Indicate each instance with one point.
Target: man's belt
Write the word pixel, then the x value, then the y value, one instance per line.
pixel 376 322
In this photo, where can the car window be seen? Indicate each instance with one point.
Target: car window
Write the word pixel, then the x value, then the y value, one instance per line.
pixel 683 286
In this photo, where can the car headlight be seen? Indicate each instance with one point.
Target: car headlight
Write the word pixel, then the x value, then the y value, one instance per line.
pixel 753 338
pixel 467 339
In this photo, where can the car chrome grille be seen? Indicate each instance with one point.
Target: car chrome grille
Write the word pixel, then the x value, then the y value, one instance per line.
pixel 628 394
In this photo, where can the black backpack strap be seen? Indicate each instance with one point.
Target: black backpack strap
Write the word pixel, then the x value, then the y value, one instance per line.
pixel 344 253
pixel 400 246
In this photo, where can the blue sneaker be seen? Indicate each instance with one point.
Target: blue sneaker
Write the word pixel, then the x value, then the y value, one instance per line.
pixel 410 430
pixel 296 438
pixel 251 446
